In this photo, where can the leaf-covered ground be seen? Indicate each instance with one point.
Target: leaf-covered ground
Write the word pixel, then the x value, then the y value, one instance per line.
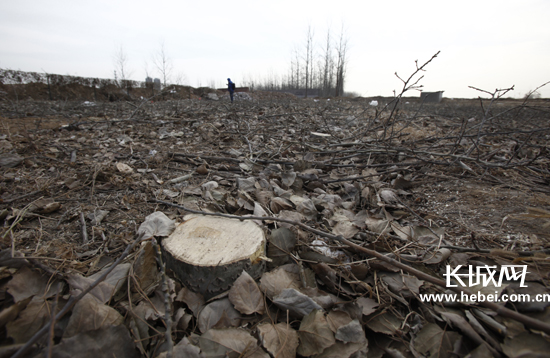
pixel 463 182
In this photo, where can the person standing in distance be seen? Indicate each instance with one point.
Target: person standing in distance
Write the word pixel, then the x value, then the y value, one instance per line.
pixel 231 88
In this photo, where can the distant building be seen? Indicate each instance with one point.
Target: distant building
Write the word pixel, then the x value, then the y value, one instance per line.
pixel 157 84
pixel 148 82
pixel 431 97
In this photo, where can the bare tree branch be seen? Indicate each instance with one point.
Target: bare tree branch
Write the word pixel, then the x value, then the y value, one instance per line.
pixel 163 63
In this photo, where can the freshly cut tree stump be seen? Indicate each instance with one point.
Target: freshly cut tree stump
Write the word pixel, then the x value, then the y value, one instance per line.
pixel 208 253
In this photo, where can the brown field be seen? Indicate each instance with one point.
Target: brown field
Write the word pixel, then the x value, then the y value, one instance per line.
pixel 475 173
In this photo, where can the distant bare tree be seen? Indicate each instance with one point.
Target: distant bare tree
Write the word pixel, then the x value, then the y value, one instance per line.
pixel 163 64
pixel 249 82
pixel 122 72
pixel 295 66
pixel 342 62
pixel 146 69
pixel 310 71
pixel 180 79
pixel 327 67
pixel 532 95
pixel 308 59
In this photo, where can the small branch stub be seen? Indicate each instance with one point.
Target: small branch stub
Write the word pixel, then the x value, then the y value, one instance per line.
pixel 209 253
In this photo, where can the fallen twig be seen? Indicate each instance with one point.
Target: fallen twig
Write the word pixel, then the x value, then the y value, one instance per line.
pixel 167 306
pixel 83 230
pixel 7 201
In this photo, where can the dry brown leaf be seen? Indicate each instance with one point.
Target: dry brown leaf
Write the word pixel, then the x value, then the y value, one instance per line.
pixel 89 314
pixel 482 351
pixel 307 209
pixel 10 313
pixel 404 232
pixel 290 215
pixel 281 241
pixel 526 345
pixel 389 197
pixel 193 300
pixel 288 178
pixel 377 225
pixel 182 319
pixel 229 342
pixel 112 341
pixel 28 283
pixel 295 302
pixel 201 169
pixel 145 268
pixel 322 298
pixel 153 308
pixel 279 204
pixel 384 322
pixel 351 193
pixel 327 275
pixel 246 296
pixel 30 320
pixel 402 183
pixel 156 224
pixel 346 350
pixel 315 334
pixel 246 185
pixel 359 219
pixel 351 332
pixel 124 168
pixel 216 311
pixel 106 289
pixel 97 216
pixel 259 211
pixel 437 257
pixel 275 281
pixel 140 322
pixel 285 194
pixel 209 186
pixel 329 201
pixel 434 341
pixel 45 206
pixel 368 305
pixel 346 229
pixel 225 321
pixel 280 339
pixel 264 197
pixel 337 319
pixel 185 349
pixel 404 285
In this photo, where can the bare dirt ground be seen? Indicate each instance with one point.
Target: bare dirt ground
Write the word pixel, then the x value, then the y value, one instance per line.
pixel 460 182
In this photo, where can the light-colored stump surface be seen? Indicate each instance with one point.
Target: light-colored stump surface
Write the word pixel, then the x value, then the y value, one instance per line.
pixel 209 253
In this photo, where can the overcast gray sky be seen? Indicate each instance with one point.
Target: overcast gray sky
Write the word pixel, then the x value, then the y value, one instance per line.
pixel 488 44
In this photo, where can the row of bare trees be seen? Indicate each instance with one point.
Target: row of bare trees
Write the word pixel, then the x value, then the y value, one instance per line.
pixel 315 69
pixel 162 64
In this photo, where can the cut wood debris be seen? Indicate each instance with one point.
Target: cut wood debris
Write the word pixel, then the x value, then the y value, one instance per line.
pixel 275 227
